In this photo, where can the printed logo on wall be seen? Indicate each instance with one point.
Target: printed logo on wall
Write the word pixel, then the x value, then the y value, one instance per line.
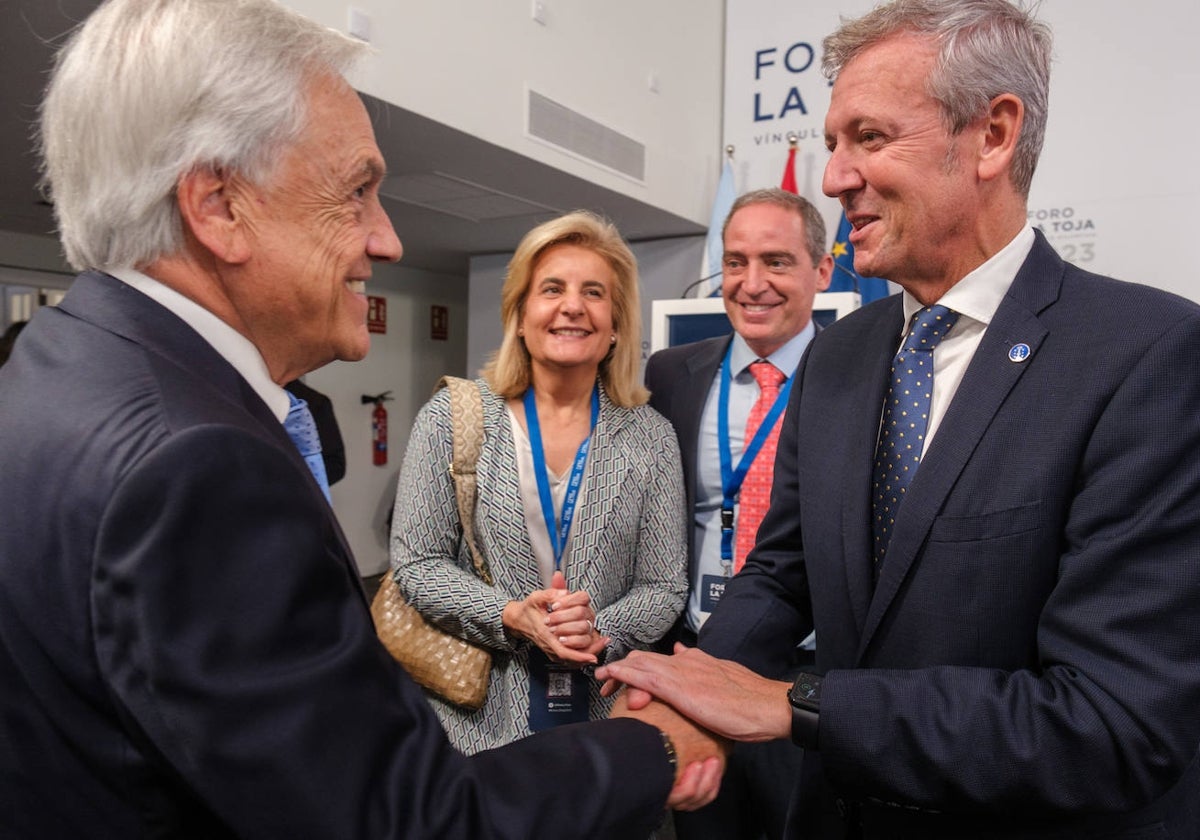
pixel 1071 231
pixel 774 87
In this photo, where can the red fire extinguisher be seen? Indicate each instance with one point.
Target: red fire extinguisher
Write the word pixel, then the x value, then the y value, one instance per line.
pixel 379 428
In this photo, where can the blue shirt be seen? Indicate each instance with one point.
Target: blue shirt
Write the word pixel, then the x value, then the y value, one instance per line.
pixel 706 516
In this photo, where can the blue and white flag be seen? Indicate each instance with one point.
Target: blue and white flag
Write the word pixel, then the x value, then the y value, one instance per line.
pixel 845 278
pixel 714 246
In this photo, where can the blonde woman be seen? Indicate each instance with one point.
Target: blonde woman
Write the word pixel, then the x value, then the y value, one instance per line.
pixel 580 510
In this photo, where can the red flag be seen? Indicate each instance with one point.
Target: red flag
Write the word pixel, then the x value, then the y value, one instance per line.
pixel 789 173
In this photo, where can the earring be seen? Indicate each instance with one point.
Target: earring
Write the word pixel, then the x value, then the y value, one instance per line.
pixel 613 340
pixel 521 332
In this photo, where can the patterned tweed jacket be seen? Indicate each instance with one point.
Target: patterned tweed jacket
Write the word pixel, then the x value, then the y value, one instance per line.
pixel 627 548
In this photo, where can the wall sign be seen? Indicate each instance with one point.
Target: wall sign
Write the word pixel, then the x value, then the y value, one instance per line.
pixel 439 323
pixel 376 314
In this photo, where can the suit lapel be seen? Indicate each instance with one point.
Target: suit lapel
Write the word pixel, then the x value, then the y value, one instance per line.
pixel 871 347
pixel 690 395
pixel 989 379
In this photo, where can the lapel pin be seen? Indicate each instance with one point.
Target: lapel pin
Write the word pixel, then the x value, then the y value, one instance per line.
pixel 1018 352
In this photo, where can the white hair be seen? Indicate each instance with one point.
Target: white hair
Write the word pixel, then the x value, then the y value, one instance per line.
pixel 149 90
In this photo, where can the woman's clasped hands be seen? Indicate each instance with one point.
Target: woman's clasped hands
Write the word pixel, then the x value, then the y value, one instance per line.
pixel 559 621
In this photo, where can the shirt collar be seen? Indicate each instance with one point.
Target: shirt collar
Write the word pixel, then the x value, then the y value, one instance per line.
pixel 234 347
pixel 786 358
pixel 978 295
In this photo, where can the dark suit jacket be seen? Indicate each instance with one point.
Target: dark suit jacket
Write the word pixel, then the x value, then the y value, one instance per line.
pixel 679 379
pixel 185 649
pixel 1029 662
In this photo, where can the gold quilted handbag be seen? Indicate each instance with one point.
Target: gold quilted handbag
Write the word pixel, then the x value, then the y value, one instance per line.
pixel 450 667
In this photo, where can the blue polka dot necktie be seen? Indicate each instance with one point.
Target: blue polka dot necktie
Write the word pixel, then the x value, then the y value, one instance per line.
pixel 905 420
pixel 302 429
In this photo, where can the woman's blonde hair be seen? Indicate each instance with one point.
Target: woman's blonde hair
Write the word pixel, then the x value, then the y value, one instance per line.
pixel 508 371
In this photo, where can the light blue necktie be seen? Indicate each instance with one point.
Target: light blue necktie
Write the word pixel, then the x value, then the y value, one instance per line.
pixel 302 429
pixel 905 420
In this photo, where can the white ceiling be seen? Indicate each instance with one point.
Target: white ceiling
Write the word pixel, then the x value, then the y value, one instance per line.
pixel 450 195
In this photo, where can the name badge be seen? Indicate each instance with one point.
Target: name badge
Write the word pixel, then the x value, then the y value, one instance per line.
pixel 558 694
pixel 712 587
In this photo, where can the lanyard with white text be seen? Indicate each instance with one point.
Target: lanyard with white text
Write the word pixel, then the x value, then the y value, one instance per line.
pixel 558 536
pixel 731 479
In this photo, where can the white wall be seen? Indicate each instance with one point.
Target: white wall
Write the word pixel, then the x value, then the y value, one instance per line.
pixel 469 64
pixel 407 362
pixel 1113 192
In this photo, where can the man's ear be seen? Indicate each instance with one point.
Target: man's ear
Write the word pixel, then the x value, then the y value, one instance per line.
pixel 208 207
pixel 824 271
pixel 1001 128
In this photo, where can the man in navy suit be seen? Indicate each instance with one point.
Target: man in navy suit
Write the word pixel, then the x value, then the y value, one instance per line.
pixel 773 265
pixel 185 646
pixel 1008 634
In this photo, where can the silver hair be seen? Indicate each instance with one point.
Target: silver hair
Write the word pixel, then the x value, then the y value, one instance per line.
pixel 814 224
pixel 985 48
pixel 149 90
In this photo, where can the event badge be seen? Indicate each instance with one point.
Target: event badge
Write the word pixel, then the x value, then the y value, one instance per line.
pixel 712 587
pixel 558 694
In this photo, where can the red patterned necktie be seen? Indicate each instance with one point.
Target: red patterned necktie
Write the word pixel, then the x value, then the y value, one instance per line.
pixel 755 494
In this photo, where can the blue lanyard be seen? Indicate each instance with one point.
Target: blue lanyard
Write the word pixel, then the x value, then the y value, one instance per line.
pixel 558 536
pixel 731 479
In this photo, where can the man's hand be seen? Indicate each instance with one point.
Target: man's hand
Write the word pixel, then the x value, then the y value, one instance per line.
pixel 730 700
pixel 700 755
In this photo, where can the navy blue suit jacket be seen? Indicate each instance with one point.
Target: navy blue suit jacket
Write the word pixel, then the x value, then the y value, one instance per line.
pixel 1028 663
pixel 185 648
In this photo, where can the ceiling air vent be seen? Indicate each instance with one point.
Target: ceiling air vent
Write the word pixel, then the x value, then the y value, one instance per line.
pixel 573 132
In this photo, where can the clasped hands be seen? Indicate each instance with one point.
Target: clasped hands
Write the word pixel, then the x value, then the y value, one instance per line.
pixel 703 703
pixel 560 622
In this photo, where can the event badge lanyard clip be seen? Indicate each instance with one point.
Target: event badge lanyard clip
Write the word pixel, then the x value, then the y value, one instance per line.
pixel 558 694
pixel 731 479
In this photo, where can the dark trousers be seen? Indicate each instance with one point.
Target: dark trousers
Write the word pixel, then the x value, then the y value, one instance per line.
pixel 755 793
pixel 756 789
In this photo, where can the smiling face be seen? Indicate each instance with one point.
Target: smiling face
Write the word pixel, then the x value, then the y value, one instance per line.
pixel 769 279
pixel 908 187
pixel 313 232
pixel 567 316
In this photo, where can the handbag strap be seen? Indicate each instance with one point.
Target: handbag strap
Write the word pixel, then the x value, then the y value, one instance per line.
pixel 466 417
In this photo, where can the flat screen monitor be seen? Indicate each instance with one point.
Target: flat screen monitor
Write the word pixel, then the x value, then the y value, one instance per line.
pixel 683 320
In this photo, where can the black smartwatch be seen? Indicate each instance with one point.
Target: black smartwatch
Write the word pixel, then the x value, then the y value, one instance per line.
pixel 805 697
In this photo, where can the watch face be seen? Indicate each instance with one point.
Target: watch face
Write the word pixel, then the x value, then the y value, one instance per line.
pixel 806 689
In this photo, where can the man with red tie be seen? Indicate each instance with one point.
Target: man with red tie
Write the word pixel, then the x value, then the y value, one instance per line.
pixel 726 396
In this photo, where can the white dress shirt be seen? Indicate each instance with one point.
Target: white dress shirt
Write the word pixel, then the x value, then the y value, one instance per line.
pixel 975 298
pixel 706 516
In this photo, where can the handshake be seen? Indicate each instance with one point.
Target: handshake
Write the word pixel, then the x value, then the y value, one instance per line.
pixel 702 703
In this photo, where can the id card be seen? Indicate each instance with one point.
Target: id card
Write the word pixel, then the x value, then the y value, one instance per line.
pixel 712 587
pixel 558 694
